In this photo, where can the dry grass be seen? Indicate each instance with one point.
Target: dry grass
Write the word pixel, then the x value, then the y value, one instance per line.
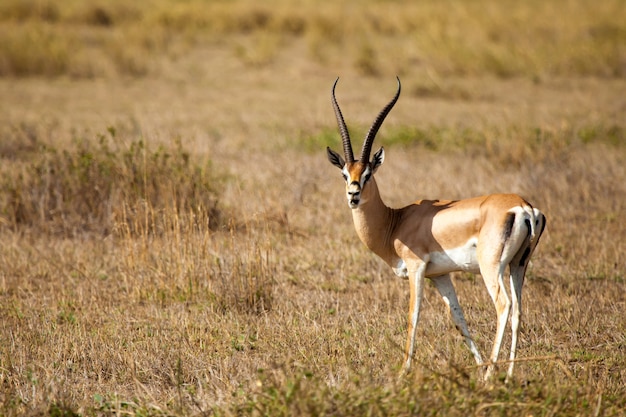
pixel 119 299
pixel 537 39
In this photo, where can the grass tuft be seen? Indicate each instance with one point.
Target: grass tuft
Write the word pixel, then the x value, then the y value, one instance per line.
pixel 245 283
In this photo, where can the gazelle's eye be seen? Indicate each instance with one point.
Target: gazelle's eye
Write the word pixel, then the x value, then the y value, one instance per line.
pixel 345 176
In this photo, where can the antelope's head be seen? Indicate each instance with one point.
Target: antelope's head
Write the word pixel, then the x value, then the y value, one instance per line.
pixel 357 174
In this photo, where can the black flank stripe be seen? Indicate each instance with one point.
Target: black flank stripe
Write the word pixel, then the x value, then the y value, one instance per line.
pixel 508 226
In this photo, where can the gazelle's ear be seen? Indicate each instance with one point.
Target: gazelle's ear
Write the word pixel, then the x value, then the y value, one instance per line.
pixel 335 158
pixel 378 159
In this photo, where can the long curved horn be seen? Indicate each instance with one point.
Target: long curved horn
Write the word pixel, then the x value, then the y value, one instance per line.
pixel 371 134
pixel 345 136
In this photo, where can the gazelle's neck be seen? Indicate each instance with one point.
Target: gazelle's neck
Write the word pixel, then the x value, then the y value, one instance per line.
pixel 374 222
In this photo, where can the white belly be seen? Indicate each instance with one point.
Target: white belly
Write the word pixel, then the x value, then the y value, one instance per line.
pixel 462 258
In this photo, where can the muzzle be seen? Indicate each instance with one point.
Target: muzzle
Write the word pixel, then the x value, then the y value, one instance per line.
pixel 353 192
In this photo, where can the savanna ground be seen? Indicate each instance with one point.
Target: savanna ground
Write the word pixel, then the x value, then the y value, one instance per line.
pixel 174 242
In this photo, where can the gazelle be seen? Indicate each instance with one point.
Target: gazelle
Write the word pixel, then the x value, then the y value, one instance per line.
pixel 431 238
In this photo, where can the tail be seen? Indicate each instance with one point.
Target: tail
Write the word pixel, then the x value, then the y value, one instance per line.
pixel 531 219
pixel 536 222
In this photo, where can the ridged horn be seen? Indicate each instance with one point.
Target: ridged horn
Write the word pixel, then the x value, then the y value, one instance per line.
pixel 343 129
pixel 371 134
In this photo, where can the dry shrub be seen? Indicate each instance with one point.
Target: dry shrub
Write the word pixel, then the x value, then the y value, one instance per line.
pixel 34 49
pixel 104 186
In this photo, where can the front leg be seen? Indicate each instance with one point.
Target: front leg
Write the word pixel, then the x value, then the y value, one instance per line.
pixel 417 274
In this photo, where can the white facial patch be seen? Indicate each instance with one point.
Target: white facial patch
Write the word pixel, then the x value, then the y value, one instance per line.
pixel 354 186
pixel 365 176
pixel 345 173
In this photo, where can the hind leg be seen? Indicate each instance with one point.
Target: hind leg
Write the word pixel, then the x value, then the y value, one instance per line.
pixel 518 271
pixel 517 281
pixel 494 281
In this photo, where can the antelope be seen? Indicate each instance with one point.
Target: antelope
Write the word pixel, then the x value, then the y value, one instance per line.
pixel 432 238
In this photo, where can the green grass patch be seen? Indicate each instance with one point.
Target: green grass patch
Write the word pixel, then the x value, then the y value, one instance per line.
pixel 505 146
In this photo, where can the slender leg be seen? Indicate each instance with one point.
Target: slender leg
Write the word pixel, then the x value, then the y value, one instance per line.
pixel 416 284
pixel 518 270
pixel 495 285
pixel 446 289
pixel 517 280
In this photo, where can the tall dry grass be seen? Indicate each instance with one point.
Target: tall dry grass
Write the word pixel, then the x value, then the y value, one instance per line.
pixel 536 39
